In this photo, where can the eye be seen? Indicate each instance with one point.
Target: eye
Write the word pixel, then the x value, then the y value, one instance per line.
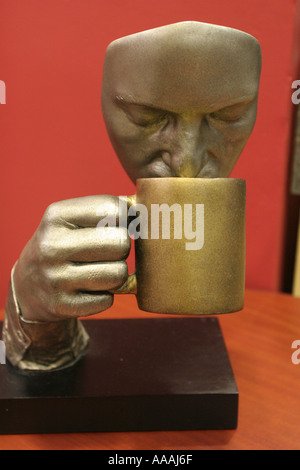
pixel 231 114
pixel 147 118
pixel 141 115
pixel 225 116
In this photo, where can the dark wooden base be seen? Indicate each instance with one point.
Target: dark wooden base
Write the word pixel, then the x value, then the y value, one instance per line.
pixel 138 375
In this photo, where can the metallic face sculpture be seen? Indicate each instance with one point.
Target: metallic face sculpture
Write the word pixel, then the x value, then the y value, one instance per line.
pixel 181 100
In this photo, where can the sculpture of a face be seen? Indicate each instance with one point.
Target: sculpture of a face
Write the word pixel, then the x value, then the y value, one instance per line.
pixel 181 100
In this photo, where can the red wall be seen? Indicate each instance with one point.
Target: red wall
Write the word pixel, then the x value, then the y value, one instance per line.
pixel 52 137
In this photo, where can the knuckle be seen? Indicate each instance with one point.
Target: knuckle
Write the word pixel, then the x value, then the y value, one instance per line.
pixel 114 209
pixel 51 214
pixel 121 271
pixel 63 305
pixel 107 206
pixel 83 305
pixel 50 243
pixel 44 249
pixel 47 249
pixel 122 211
pixel 106 302
pixel 54 280
pixel 124 242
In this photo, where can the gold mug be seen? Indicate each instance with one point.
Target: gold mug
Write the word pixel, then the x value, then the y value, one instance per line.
pixel 190 250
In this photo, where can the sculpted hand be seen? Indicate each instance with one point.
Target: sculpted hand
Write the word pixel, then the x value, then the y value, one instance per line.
pixel 70 264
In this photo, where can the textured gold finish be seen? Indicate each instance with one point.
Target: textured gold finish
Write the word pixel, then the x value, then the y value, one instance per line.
pixel 174 280
pixel 129 286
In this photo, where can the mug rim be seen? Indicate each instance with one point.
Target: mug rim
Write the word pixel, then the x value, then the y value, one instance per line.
pixel 178 178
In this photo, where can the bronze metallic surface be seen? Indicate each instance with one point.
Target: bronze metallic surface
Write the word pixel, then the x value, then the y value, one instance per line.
pixel 180 102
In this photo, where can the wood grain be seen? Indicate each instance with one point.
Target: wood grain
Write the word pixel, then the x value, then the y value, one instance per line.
pixel 259 341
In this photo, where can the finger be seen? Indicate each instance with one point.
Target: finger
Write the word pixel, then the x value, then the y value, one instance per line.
pixel 87 211
pixel 83 304
pixel 86 245
pixel 90 277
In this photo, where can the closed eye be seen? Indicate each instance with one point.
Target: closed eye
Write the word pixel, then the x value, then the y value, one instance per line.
pixel 142 115
pixel 231 113
pixel 225 117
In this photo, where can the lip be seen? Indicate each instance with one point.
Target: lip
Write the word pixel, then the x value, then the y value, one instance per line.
pixel 159 169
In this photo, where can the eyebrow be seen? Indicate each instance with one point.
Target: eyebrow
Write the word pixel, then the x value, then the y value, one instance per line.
pixel 121 101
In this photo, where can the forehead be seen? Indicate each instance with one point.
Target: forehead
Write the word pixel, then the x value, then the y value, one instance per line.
pixel 183 65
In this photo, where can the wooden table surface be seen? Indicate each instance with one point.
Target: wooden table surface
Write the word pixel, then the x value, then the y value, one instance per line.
pixel 259 341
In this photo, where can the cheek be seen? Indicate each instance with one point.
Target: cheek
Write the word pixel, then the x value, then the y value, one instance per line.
pixel 229 154
pixel 132 153
pixel 226 147
pixel 120 130
pixel 231 139
pixel 133 144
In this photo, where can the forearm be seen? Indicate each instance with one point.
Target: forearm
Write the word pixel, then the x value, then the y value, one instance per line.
pixel 41 346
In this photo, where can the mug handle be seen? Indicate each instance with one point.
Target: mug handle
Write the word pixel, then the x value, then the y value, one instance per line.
pixel 130 285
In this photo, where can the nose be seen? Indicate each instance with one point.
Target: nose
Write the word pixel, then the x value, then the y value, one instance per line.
pixel 185 150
